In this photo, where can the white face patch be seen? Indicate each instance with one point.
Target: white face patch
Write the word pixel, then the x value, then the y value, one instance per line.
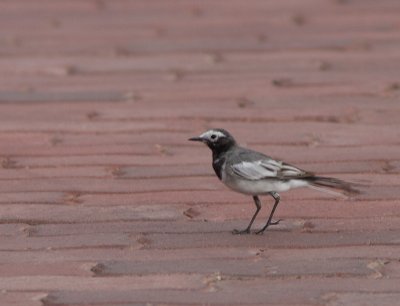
pixel 212 135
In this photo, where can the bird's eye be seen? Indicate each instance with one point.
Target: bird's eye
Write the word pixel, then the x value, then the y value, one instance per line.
pixel 213 136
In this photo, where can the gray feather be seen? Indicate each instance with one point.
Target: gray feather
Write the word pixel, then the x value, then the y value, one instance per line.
pixel 255 166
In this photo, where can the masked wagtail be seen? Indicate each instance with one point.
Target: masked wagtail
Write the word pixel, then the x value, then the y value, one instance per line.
pixel 255 174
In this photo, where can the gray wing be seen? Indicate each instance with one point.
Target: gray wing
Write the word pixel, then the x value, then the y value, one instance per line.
pixel 267 168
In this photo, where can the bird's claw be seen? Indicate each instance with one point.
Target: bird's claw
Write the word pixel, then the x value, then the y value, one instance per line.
pixel 275 222
pixel 261 231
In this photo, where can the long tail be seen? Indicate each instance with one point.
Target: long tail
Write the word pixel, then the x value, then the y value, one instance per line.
pixel 320 183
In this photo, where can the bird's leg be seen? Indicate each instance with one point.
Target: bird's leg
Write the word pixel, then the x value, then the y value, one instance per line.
pixel 276 196
pixel 247 230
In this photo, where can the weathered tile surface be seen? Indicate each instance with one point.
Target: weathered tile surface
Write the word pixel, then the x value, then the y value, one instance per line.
pixel 103 201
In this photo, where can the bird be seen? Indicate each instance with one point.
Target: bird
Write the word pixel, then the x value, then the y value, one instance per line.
pixel 253 173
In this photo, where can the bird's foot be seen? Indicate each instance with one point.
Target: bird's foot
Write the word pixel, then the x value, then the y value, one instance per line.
pixel 247 230
pixel 275 222
pixel 241 232
pixel 261 231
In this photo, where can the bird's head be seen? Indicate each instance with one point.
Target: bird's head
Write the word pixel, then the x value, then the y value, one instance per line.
pixel 218 140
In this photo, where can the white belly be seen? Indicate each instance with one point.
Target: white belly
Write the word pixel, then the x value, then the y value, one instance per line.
pixel 262 186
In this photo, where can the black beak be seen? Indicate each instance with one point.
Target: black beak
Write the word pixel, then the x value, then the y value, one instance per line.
pixel 196 139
